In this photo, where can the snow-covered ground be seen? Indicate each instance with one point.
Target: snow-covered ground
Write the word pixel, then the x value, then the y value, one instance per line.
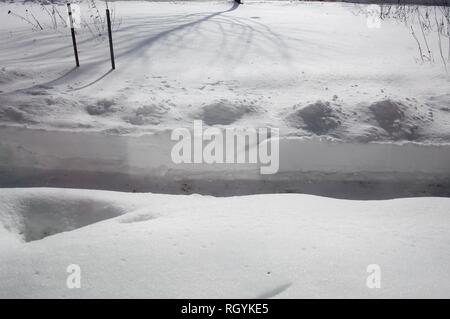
pixel 304 67
pixel 259 246
pixel 360 117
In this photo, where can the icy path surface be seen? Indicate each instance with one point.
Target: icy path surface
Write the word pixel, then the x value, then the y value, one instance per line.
pixel 307 68
pixel 159 246
pixel 36 158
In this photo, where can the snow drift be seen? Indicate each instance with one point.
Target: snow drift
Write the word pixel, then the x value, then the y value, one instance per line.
pixel 271 246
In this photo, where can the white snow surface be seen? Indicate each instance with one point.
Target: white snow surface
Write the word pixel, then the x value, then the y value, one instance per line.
pixel 259 246
pixel 307 68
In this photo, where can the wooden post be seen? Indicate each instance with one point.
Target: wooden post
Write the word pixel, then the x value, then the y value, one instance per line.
pixel 74 41
pixel 111 49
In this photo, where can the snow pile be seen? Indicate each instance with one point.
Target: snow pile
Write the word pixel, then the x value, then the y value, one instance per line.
pixel 318 117
pixel 14 114
pixel 271 246
pixel 382 120
pixel 102 106
pixel 390 115
pixel 225 112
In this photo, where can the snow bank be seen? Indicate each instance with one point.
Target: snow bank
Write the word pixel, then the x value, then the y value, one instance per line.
pixel 271 246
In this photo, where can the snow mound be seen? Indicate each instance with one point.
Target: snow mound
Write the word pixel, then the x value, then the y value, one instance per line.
pixel 259 246
pixel 14 114
pixel 392 117
pixel 102 106
pixel 151 114
pixel 39 215
pixel 318 117
pixel 224 112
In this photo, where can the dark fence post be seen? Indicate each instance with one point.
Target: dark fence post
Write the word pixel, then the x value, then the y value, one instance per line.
pixel 111 49
pixel 74 41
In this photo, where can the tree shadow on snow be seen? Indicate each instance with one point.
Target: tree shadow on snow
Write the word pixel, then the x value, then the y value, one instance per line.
pixel 44 85
pixel 93 82
pixel 235 35
pixel 240 30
